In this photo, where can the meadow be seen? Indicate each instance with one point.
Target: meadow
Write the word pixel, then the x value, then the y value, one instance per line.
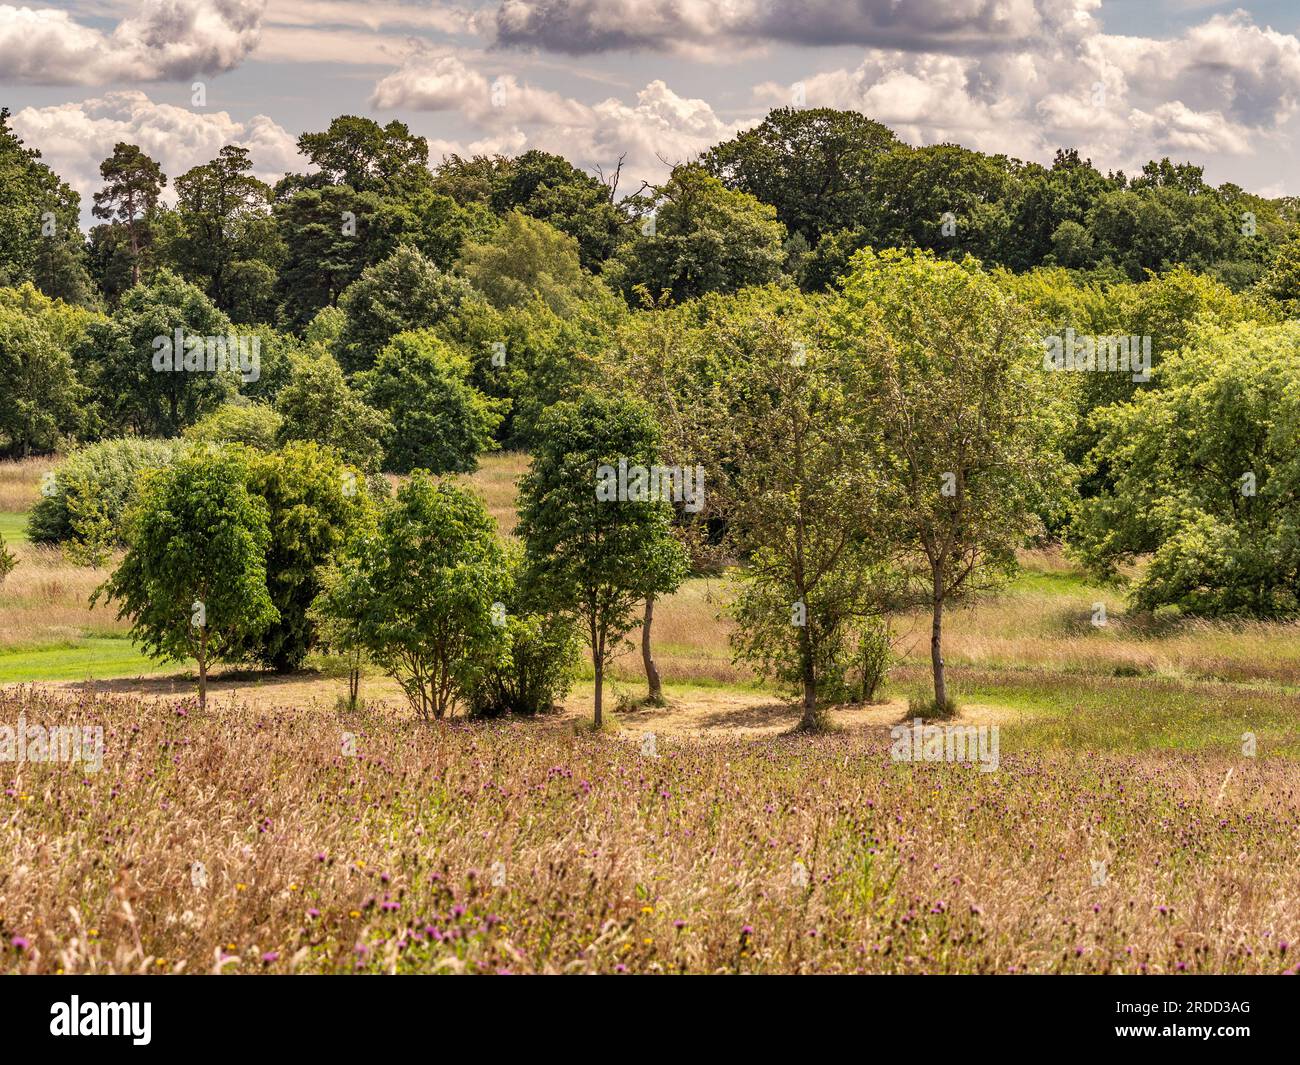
pixel 1125 830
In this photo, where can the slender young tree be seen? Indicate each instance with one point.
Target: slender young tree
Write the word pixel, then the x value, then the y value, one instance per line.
pixel 193 582
pixel 953 377
pixel 596 543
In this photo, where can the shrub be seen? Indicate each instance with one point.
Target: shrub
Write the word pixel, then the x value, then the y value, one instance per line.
pixel 439 421
pixel 7 561
pixel 543 649
pixel 254 424
pixel 98 480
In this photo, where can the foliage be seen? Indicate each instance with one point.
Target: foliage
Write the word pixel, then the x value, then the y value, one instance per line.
pixel 598 559
pixel 253 424
pixel 193 581
pixel 313 502
pixel 698 236
pixel 119 358
pixel 438 421
pixel 318 404
pixel 100 478
pixel 538 670
pixel 405 292
pixel 1203 479
pixel 416 596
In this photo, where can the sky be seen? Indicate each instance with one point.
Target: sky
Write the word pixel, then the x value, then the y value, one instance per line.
pixel 654 82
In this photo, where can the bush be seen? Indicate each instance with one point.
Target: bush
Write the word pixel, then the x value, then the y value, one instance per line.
pixel 438 420
pixel 99 480
pixel 875 655
pixel 254 424
pixel 7 561
pixel 539 668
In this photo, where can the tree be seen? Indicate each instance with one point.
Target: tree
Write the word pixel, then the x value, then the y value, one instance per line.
pixel 698 236
pixel 318 404
pixel 1280 285
pixel 531 355
pixel 417 596
pixel 944 197
pixel 404 292
pixel 438 421
pixel 137 372
pixel 39 220
pixel 953 378
pixel 550 188
pixel 814 165
pixel 358 152
pixel 313 501
pixel 193 581
pixel 41 401
pixel 227 237
pixel 803 510
pixel 330 236
pixel 594 556
pixel 1204 479
pixel 523 258
pixel 132 184
pixel 254 425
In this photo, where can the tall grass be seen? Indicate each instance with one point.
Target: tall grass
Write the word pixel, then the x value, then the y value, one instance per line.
pixel 525 847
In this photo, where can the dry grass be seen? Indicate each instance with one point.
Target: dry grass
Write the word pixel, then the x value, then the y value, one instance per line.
pixel 46 599
pixel 20 481
pixel 385 861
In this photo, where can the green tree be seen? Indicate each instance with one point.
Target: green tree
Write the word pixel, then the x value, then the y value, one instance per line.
pixel 803 510
pixel 193 580
pixel 358 152
pixel 438 421
pixel 313 501
pixel 1204 479
pixel 526 258
pixel 596 558
pixel 318 404
pixel 132 184
pixel 814 165
pixel 120 357
pixel 953 379
pixel 227 239
pixel 417 596
pixel 39 220
pixel 697 236
pixel 254 425
pixel 404 292
pixel 330 236
pixel 41 400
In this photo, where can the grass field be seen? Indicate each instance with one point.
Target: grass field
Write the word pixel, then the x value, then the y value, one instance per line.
pixel 331 842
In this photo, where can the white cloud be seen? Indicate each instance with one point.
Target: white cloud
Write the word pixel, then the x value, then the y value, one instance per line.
pixel 75 137
pixel 161 40
pixel 660 129
pixel 1225 87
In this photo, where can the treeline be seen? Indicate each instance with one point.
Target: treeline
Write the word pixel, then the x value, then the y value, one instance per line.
pixel 845 334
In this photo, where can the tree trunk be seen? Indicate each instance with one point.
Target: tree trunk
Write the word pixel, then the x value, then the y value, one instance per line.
pixel 203 670
pixel 811 720
pixel 656 694
pixel 936 657
pixel 598 666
